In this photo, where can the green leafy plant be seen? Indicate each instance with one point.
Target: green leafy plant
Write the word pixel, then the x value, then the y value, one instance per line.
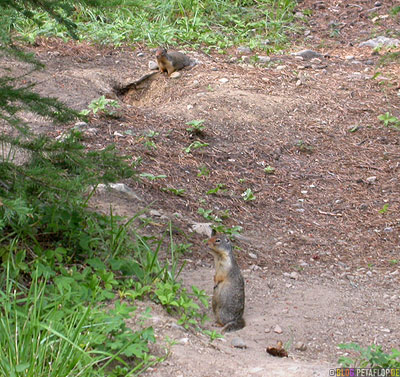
pixel 390 120
pixel 203 171
pixel 197 126
pixel 248 195
pixel 269 169
pixel 219 187
pixel 177 192
pixel 207 214
pixel 103 105
pixel 231 231
pixel 213 335
pixel 195 145
pixel 152 177
pixel 384 209
pixel 304 147
pixel 372 357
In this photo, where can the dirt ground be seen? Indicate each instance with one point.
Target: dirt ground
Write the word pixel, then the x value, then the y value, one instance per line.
pixel 319 250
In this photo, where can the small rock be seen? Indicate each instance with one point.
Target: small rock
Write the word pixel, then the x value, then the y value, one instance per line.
pixel 369 273
pixel 153 66
pixel 80 125
pixel 279 200
pixel 224 80
pixel 267 330
pixel 121 187
pixel 116 133
pixel 388 229
pixel 243 50
pixel 263 59
pixel 216 69
pixel 308 54
pixel 238 343
pixel 300 346
pixel 140 54
pixel 386 330
pixel 178 327
pixel 378 4
pixel 255 370
pixel 183 341
pixel 253 256
pixel 294 275
pixel 371 180
pixel 265 42
pixel 203 229
pixel 175 75
pixel 349 57
pixel 380 41
pixel 246 59
pixel 316 61
pixel 394 273
pixel 298 15
pixel 369 62
pixel 278 330
pixel 155 213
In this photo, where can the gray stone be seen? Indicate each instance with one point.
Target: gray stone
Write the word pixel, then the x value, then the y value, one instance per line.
pixel 243 50
pixel 120 187
pixel 175 75
pixel 388 229
pixel 246 59
pixel 278 329
pixel 80 125
pixel 380 41
pixel 203 229
pixel 300 346
pixel 155 213
pixel 153 66
pixel 224 80
pixel 308 54
pixel 263 59
pixel 238 343
pixel 371 180
pixel 140 54
pixel 252 256
pixel 294 275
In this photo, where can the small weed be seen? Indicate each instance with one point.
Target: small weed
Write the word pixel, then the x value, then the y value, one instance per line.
pixel 384 209
pixel 213 334
pixel 304 147
pixel 395 10
pixel 354 128
pixel 149 144
pixel 394 261
pixel 207 214
pixel 152 134
pixel 269 169
pixel 372 357
pixel 103 105
pixel 236 229
pixel 197 126
pixel 390 120
pixel 152 177
pixel 203 171
pixel 248 195
pixel 216 189
pixel 177 192
pixel 195 145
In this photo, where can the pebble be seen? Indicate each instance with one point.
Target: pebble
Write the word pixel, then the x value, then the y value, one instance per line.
pixel 153 66
pixel 265 42
pixel 280 67
pixel 116 133
pixel 224 80
pixel 267 330
pixel 349 57
pixel 300 346
pixel 278 329
pixel 316 61
pixel 203 229
pixel 294 275
pixel 243 50
pixel 183 341
pixel 175 75
pixel 308 54
pixel 279 200
pixel 386 330
pixel 155 213
pixel 253 256
pixel 238 343
pixel 256 370
pixel 371 180
pixel 380 41
pixel 246 59
pixel 388 229
pixel 263 59
pixel 80 125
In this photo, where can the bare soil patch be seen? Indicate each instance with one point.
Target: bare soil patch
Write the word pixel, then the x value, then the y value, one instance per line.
pixel 318 215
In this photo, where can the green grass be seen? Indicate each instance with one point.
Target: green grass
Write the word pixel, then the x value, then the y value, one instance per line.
pixel 214 23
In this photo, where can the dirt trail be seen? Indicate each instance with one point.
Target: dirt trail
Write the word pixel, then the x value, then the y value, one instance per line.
pixel 318 257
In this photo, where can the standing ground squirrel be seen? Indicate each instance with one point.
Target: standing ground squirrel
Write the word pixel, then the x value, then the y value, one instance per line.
pixel 228 296
pixel 171 61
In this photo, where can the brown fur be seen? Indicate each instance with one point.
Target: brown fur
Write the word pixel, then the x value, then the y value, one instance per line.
pixel 171 61
pixel 228 297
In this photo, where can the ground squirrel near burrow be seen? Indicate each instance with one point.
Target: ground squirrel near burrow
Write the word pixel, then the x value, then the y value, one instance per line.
pixel 172 61
pixel 228 297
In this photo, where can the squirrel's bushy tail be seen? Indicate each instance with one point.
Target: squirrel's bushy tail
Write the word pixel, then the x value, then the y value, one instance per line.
pixel 234 325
